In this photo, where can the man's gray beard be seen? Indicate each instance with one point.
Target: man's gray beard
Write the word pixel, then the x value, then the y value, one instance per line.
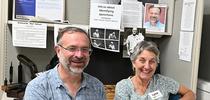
pixel 71 70
pixel 76 71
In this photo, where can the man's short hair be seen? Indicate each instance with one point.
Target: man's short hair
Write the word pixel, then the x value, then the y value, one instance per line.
pixel 153 6
pixel 72 30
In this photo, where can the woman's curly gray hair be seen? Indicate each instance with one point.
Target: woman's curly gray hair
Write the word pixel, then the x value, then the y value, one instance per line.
pixel 145 45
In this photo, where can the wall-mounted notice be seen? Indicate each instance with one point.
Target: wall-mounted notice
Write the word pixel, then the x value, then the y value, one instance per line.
pixel 105 26
pixel 185 45
pixel 45 10
pixel 105 15
pixel 188 15
pixel 29 34
pixel 132 12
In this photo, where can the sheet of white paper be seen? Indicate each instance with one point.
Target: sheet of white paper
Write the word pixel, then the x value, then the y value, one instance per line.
pixel 132 13
pixel 185 45
pixel 29 34
pixel 105 15
pixel 188 15
pixel 50 9
pixel 105 22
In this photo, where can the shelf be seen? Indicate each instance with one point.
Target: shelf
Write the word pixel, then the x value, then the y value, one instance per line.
pixel 50 25
pixel 157 34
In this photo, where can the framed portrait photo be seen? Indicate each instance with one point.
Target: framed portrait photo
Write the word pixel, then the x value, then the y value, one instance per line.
pixel 155 17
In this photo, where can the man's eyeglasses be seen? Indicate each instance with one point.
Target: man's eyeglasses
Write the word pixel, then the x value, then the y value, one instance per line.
pixel 75 49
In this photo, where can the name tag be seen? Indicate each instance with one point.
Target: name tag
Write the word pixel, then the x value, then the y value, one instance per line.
pixel 155 95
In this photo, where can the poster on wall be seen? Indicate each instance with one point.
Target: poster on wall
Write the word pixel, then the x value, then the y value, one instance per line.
pixel 132 12
pixel 39 10
pixel 131 37
pixel 29 34
pixel 155 17
pixel 188 15
pixel 104 26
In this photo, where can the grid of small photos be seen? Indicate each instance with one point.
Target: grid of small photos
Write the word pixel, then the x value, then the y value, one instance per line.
pixel 106 39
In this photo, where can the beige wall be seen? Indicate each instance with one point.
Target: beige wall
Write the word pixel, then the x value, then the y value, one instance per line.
pixel 184 72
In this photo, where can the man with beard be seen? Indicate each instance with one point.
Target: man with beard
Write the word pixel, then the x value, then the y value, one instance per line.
pixel 153 23
pixel 67 81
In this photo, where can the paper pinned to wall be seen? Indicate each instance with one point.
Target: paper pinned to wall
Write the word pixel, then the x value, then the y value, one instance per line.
pixel 188 15
pixel 29 34
pixel 105 26
pixel 132 13
pixel 39 10
pixel 51 9
pixel 105 15
pixel 185 45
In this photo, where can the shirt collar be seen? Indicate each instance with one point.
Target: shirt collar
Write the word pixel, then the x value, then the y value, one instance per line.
pixel 58 82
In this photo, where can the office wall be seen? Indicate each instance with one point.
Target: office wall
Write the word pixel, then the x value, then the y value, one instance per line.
pixel 109 67
pixel 183 71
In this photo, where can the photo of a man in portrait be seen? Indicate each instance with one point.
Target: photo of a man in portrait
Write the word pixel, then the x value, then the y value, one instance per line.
pixel 155 17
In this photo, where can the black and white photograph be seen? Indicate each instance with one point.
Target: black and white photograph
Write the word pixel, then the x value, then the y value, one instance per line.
pixel 105 39
pixel 112 45
pixel 131 37
pixel 112 34
pixel 97 32
pixel 97 43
